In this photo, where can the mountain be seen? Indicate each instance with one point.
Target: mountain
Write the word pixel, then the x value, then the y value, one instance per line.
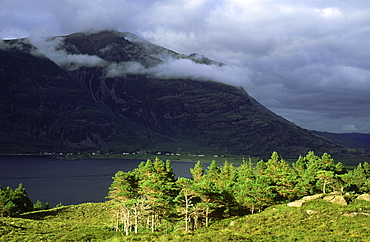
pixel 364 138
pixel 114 91
pixel 350 140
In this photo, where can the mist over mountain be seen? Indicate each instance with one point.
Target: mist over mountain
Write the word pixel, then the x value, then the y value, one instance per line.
pixel 114 91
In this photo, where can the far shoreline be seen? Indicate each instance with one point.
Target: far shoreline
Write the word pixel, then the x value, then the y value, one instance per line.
pixel 235 159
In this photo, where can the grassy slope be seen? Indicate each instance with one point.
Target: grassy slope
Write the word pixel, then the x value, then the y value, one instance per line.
pixel 283 223
pixel 83 222
pixel 87 222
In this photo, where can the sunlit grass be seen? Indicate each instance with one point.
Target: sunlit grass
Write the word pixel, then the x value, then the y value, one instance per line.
pixel 90 222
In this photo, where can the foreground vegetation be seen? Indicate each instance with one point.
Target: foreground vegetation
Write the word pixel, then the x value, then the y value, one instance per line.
pixel 150 198
pixel 217 204
pixel 90 222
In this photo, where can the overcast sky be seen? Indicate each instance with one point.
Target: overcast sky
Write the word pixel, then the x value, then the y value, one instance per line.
pixel 306 60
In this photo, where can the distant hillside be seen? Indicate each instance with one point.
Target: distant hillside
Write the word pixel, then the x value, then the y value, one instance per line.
pixel 115 92
pixel 350 140
pixel 364 138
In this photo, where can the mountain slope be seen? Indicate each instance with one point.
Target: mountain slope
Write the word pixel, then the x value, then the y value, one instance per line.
pixel 350 140
pixel 44 109
pixel 364 138
pixel 102 91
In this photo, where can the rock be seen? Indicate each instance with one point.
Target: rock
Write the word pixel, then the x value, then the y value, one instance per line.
pixel 365 197
pixel 297 203
pixel 336 193
pixel 329 198
pixel 354 214
pixel 341 200
pixel 311 212
pixel 313 197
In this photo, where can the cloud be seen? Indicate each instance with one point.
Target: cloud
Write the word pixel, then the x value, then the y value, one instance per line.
pixel 304 59
pixel 51 48
pixel 125 68
pixel 10 45
pixel 182 68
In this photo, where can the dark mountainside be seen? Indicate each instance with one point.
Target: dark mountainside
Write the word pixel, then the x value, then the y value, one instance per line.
pixel 350 140
pixel 46 106
pixel 364 138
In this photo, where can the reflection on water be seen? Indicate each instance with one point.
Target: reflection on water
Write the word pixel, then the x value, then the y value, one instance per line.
pixel 68 181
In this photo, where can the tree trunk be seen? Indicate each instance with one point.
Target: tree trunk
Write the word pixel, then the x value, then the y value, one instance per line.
pixel 153 223
pixel 186 214
pixel 136 220
pixel 148 222
pixel 117 221
pixel 196 222
pixel 127 222
pixel 207 217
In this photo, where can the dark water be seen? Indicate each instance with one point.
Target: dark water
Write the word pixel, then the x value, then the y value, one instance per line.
pixel 68 181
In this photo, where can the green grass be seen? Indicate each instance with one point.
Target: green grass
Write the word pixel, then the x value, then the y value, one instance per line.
pixel 283 223
pixel 85 222
pixel 89 222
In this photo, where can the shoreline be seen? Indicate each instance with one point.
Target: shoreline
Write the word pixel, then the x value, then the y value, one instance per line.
pixel 183 158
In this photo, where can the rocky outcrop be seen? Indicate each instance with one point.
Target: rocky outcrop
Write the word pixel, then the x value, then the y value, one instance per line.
pixel 301 201
pixel 296 204
pixel 365 197
pixel 311 212
pixel 354 214
pixel 332 198
pixel 337 199
pixel 312 197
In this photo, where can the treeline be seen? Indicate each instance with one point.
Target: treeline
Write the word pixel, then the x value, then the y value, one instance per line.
pixel 150 198
pixel 14 202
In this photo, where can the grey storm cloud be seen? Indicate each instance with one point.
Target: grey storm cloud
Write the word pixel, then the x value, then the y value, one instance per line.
pixel 308 61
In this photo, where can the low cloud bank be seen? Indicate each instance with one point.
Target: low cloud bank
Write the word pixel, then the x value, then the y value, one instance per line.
pixel 52 49
pixel 20 44
pixel 183 68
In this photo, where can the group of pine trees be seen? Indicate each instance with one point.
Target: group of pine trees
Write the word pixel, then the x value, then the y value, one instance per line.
pixel 151 198
pixel 14 202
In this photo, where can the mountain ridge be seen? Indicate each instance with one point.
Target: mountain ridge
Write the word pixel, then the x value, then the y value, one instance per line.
pixel 122 96
pixel 350 140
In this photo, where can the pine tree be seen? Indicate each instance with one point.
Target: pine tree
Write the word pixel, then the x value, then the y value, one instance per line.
pixel 14 202
pixel 124 187
pixel 38 205
pixel 326 178
pixel 185 198
pixel 5 199
pixel 197 172
pixel 281 176
pixel 21 199
pixel 157 185
pixel 123 192
pixel 213 171
pixel 47 205
pixel 361 177
pixel 227 177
